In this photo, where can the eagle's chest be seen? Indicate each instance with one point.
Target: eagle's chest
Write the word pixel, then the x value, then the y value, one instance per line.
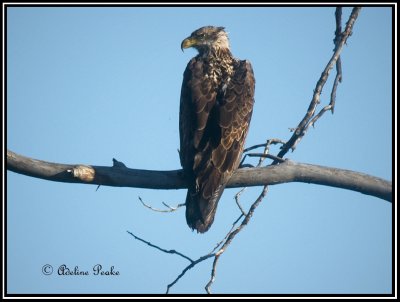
pixel 219 72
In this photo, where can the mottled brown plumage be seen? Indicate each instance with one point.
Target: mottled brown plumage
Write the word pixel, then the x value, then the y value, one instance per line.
pixel 215 111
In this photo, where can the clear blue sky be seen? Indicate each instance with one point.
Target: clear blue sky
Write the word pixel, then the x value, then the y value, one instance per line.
pixel 88 84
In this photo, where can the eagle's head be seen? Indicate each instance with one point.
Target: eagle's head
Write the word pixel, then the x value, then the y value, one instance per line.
pixel 207 38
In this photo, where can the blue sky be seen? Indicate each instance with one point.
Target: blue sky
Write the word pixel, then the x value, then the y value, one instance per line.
pixel 85 85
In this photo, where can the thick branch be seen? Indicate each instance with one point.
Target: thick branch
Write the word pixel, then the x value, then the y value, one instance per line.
pixel 120 176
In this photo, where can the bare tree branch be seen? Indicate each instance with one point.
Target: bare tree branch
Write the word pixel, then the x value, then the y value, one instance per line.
pixel 272 141
pixel 225 243
pixel 232 235
pixel 340 40
pixel 170 209
pixel 263 155
pixel 190 266
pixel 237 196
pixel 246 177
pixel 230 231
pixel 233 232
pixel 161 249
pixel 338 77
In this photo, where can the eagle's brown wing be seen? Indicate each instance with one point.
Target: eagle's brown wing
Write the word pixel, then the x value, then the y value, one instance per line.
pixel 213 125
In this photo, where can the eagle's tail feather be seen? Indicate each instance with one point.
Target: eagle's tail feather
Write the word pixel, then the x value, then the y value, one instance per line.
pixel 200 212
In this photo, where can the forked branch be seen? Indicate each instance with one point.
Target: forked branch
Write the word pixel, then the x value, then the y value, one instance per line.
pixel 310 118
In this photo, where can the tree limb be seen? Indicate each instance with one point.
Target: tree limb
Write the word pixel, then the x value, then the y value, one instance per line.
pixel 120 176
pixel 161 249
pixel 231 236
pixel 340 40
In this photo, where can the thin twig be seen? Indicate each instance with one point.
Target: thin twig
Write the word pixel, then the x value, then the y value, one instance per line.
pixel 317 117
pixel 271 141
pixel 232 236
pixel 237 195
pixel 170 209
pixel 262 155
pixel 230 231
pixel 190 266
pixel 338 77
pixel 173 208
pixel 205 257
pixel 161 249
pixel 213 273
pixel 245 220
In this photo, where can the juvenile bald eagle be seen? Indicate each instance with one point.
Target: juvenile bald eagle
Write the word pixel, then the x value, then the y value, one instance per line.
pixel 215 111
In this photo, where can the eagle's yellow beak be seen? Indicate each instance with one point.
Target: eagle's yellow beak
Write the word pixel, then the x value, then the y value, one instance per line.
pixel 188 42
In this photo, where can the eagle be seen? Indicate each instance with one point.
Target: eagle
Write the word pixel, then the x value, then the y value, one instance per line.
pixel 216 105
